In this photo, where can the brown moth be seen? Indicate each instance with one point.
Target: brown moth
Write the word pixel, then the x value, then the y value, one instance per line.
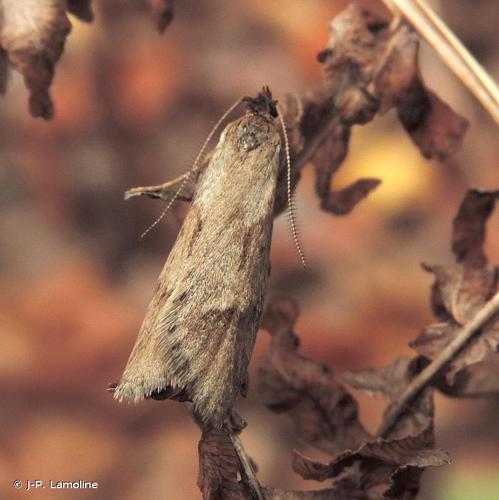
pixel 198 334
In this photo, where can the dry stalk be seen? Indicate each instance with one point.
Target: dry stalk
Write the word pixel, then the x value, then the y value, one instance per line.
pixel 421 381
pixel 247 473
pixel 455 55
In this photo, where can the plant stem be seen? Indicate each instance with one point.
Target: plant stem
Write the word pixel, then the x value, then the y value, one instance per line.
pixel 457 57
pixel 248 474
pixel 423 379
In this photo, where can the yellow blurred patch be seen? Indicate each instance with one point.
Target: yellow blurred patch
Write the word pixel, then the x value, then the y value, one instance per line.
pixel 82 35
pixel 296 16
pixel 391 157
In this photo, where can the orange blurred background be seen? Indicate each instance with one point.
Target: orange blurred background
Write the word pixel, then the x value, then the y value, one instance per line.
pixel 132 108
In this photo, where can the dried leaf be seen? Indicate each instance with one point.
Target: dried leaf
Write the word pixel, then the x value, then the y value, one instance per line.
pixel 81 9
pixel 469 227
pixel 434 127
pixel 391 381
pixel 293 109
pixel 460 290
pixel 349 62
pixel 33 35
pixel 162 12
pixel 327 160
pixel 342 202
pixel 383 467
pixel 218 467
pixel 476 381
pixel 435 337
pixel 281 196
pixel 323 413
pixel 388 381
pixel 398 68
pixel 396 465
pixel 370 68
pixel 280 315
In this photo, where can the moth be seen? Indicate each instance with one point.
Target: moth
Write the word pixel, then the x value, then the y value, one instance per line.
pixel 198 334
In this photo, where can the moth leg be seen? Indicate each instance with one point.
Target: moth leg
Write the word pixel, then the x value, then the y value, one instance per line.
pixel 167 190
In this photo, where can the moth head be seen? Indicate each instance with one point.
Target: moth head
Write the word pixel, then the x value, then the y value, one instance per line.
pixel 262 104
pixel 257 128
pixel 255 131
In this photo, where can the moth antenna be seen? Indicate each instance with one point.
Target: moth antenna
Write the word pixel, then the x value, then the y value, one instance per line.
pixel 291 207
pixel 193 169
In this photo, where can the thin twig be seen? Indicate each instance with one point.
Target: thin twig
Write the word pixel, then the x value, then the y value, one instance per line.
pixel 248 474
pixel 423 379
pixel 457 57
pixel 163 191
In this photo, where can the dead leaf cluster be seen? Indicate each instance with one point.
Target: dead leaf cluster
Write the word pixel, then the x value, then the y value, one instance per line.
pixel 370 67
pixel 325 415
pixel 459 291
pixel 32 38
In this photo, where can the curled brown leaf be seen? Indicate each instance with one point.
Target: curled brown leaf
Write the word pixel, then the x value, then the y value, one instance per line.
pixel 371 67
pixel 342 201
pixel 218 467
pixel 327 160
pixel 324 414
pixel 460 290
pixel 476 381
pixel 469 227
pixel 391 381
pixel 433 126
pixel 395 466
pixel 33 33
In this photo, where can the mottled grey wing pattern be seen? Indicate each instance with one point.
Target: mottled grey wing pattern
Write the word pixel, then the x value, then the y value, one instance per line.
pixel 198 334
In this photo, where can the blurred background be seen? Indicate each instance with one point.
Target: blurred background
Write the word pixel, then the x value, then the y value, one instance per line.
pixel 132 108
